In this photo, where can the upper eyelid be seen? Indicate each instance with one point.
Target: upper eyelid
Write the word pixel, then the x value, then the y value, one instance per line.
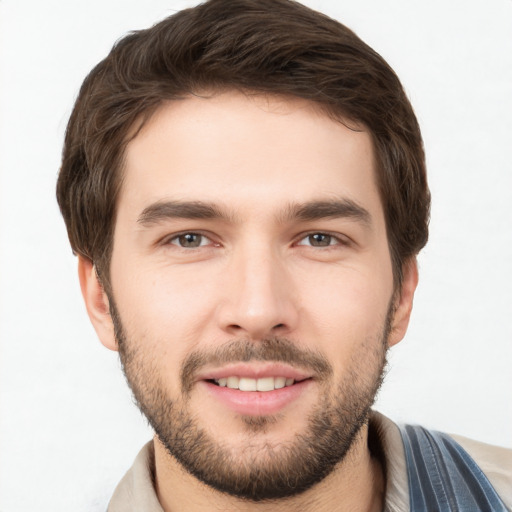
pixel 170 237
pixel 344 239
pixel 340 237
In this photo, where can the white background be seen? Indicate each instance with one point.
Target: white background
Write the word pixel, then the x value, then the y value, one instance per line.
pixel 68 428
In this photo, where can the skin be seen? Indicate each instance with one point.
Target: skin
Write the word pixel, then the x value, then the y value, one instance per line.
pixel 257 272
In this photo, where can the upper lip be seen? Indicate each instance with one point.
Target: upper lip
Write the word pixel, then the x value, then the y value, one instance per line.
pixel 254 370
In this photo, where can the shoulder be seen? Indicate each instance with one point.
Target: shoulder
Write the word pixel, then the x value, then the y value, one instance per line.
pixel 448 468
pixel 494 461
pixel 422 463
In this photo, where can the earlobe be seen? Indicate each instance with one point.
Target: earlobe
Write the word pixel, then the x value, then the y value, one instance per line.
pixel 96 303
pixel 404 301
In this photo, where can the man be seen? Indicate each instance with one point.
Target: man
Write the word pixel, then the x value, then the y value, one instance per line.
pixel 244 185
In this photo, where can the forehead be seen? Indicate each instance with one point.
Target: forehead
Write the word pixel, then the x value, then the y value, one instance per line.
pixel 247 152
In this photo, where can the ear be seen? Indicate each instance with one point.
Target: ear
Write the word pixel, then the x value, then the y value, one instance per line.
pixel 96 303
pixel 403 302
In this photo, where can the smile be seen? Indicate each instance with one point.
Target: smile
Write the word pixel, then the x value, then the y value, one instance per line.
pixel 256 396
pixel 248 384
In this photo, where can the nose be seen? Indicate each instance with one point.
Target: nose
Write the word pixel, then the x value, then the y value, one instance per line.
pixel 259 298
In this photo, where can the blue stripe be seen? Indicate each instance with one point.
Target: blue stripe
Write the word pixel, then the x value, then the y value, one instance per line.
pixel 443 477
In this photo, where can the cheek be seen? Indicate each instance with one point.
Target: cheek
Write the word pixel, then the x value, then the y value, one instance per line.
pixel 347 292
pixel 167 306
pixel 345 309
pixel 161 324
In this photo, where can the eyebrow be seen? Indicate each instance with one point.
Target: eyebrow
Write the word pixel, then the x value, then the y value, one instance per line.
pixel 162 210
pixel 307 212
pixel 336 208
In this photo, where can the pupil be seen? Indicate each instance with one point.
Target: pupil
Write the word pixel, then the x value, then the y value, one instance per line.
pixel 319 239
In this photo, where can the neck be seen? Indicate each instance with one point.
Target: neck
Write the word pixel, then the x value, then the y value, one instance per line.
pixel 356 485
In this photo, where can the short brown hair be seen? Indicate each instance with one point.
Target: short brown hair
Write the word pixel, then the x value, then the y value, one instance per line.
pixel 264 46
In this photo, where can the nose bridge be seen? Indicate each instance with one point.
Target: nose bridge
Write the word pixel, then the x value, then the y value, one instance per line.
pixel 260 301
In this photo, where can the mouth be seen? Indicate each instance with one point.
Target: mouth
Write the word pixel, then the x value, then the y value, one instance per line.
pixel 263 384
pixel 256 388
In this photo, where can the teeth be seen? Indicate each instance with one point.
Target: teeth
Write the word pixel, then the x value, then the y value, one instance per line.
pixel 247 384
pixel 279 382
pixel 232 382
pixel 263 384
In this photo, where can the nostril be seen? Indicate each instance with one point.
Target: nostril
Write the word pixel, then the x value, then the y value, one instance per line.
pixel 278 326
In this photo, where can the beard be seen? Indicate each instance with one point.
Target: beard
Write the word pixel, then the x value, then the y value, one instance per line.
pixel 261 470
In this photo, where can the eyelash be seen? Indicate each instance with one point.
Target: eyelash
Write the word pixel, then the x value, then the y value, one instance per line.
pixel 169 241
pixel 339 240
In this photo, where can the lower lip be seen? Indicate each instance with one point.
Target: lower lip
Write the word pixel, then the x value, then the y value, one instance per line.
pixel 257 403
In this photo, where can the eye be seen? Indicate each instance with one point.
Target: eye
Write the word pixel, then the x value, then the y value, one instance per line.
pixel 190 240
pixel 319 240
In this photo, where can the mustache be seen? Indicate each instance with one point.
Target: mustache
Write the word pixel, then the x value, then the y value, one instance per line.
pixel 272 349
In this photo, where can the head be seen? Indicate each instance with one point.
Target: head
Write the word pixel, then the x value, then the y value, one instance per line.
pixel 270 46
pixel 245 186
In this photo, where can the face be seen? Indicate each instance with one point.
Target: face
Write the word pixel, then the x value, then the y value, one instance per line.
pixel 252 289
